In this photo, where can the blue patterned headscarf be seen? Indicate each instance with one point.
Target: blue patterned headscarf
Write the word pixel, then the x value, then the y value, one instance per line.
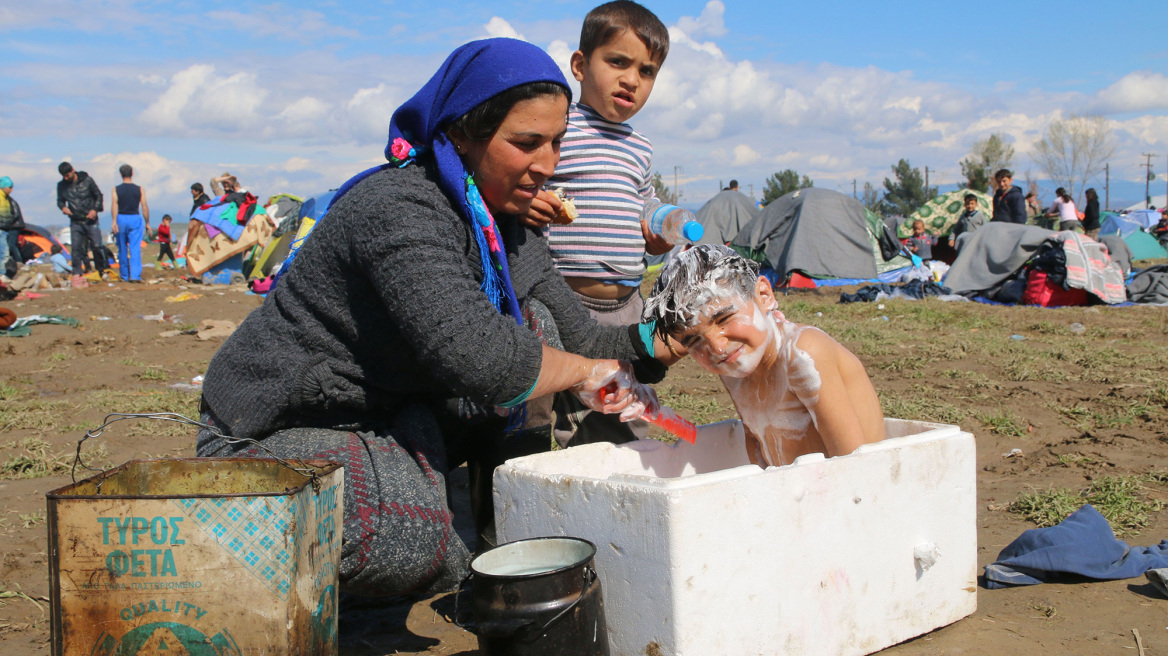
pixel 471 75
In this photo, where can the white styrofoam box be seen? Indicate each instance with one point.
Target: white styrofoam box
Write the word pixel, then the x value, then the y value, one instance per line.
pixel 701 553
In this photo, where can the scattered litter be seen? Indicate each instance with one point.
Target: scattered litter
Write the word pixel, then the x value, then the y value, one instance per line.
pixel 184 296
pixel 1017 338
pixel 819 314
pixel 195 384
pixel 160 316
pixel 99 318
pixel 22 327
pixel 1078 328
pixel 1014 453
pixel 212 328
pixel 884 317
pixel 880 307
pixel 154 281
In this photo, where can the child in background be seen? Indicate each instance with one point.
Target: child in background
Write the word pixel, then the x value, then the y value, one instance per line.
pixel 921 243
pixel 163 239
pixel 59 261
pixel 1160 230
pixel 797 390
pixel 970 220
pixel 605 168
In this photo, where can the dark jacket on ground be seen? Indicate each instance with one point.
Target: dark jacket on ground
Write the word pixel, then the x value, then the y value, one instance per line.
pixel 13 219
pixel 80 196
pixel 1091 215
pixel 1010 206
pixel 382 308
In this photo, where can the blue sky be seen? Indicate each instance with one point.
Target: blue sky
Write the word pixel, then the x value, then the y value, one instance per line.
pixel 295 97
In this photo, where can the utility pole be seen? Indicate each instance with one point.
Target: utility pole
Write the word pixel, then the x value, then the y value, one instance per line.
pixel 751 185
pixel 926 181
pixel 1148 180
pixel 1107 186
pixel 676 193
pixel 854 189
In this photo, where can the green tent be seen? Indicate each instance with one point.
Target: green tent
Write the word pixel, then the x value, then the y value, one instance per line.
pixel 1144 246
pixel 943 211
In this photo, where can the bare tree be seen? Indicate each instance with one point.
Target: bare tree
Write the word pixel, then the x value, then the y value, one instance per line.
pixel 1073 149
pixel 985 158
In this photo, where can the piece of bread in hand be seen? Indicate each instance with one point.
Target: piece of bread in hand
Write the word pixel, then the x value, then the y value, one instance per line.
pixel 567 212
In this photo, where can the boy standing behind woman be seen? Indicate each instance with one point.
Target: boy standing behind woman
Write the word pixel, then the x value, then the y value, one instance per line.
pixel 605 169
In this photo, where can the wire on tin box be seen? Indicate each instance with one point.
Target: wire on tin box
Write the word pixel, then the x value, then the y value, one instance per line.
pixel 303 470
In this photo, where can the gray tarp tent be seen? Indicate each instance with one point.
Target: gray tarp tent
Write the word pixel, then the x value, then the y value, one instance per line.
pixel 988 256
pixel 819 232
pixel 724 215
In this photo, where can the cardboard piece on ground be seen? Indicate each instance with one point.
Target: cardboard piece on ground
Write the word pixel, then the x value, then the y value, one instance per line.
pixel 212 328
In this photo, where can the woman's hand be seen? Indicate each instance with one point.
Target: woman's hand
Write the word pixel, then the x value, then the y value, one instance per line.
pixel 544 208
pixel 611 388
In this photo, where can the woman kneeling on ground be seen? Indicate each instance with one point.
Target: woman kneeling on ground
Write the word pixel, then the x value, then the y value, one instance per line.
pixel 420 325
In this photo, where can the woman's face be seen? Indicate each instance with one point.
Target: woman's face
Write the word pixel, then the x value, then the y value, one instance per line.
pixel 511 166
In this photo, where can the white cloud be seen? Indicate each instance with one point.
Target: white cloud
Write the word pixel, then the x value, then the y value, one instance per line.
pixel 1140 91
pixel 498 27
pixel 709 23
pixel 745 155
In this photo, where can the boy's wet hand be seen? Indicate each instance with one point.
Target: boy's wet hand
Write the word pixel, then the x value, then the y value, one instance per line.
pixel 544 208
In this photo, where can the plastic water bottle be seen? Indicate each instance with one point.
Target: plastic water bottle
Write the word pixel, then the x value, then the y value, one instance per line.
pixel 677 225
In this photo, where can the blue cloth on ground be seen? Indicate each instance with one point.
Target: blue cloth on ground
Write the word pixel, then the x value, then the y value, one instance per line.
pixel 1083 545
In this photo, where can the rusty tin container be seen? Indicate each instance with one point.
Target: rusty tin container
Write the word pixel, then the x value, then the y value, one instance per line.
pixel 197 556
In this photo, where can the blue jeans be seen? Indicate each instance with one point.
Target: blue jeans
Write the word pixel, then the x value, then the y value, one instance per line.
pixel 3 250
pixel 129 237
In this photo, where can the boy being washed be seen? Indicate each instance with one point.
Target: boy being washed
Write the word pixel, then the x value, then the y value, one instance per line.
pixel 796 389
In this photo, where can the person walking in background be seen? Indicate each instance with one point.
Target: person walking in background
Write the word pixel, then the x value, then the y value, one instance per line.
pixel 11 223
pixel 164 243
pixel 129 224
pixel 1009 202
pixel 1064 208
pixel 201 198
pixel 1091 223
pixel 79 199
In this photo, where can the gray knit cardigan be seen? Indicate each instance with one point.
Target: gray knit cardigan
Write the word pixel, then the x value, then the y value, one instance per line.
pixel 382 308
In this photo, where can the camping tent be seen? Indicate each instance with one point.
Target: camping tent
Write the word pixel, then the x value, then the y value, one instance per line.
pixel 941 213
pixel 1146 218
pixel 724 215
pixel 41 239
pixel 1143 245
pixel 1157 201
pixel 819 232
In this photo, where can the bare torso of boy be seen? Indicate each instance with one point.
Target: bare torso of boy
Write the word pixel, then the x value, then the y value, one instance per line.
pixel 808 395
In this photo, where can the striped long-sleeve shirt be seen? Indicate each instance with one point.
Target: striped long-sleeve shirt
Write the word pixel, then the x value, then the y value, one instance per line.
pixel 605 169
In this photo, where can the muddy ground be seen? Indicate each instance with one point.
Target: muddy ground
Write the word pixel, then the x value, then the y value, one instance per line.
pixel 1081 403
